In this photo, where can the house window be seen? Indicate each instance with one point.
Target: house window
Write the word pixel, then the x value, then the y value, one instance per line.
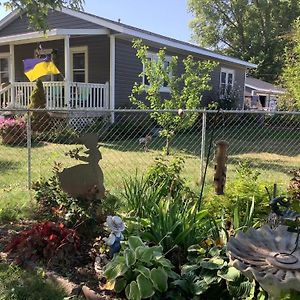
pixel 226 81
pixel 79 63
pixel 153 57
pixel 4 73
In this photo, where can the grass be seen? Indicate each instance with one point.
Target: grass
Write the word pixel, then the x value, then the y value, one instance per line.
pixel 273 151
pixel 19 284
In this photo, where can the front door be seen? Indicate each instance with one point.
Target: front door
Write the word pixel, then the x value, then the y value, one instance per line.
pixel 79 64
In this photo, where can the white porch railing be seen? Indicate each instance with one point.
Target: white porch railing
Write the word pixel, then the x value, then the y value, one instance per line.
pixel 92 96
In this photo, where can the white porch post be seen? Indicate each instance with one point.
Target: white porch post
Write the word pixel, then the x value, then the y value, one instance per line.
pixel 12 71
pixel 67 70
pixel 112 75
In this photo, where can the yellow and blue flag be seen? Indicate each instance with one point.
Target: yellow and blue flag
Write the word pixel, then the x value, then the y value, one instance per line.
pixel 35 68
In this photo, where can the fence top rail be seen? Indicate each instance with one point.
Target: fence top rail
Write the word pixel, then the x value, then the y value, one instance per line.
pixel 201 111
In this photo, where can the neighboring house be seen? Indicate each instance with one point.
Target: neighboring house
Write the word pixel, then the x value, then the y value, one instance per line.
pixel 96 58
pixel 261 94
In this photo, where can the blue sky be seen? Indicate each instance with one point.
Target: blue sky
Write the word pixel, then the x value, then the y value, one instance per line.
pixel 167 17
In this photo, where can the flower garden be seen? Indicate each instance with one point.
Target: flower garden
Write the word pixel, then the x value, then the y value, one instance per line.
pixel 158 238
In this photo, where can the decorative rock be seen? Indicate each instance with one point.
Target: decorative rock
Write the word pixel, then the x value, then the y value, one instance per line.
pixel 267 256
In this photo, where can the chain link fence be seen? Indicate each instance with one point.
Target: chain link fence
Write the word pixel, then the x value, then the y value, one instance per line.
pixel 34 141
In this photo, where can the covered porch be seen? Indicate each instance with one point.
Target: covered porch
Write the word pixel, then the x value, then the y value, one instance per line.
pixel 85 58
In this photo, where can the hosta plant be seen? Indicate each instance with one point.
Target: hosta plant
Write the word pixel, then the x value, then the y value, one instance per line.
pixel 141 271
pixel 208 275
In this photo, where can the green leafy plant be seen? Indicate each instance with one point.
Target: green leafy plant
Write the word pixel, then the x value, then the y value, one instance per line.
pixel 185 89
pixel 163 210
pixel 141 271
pixel 55 205
pixel 208 275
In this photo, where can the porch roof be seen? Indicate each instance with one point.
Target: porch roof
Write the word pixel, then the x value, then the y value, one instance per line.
pixel 53 34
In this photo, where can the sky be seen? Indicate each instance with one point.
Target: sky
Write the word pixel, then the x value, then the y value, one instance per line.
pixel 166 17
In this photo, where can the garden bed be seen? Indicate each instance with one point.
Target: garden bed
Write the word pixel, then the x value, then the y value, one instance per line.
pixel 77 278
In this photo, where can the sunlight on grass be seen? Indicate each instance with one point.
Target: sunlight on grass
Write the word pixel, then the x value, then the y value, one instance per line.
pixel 125 158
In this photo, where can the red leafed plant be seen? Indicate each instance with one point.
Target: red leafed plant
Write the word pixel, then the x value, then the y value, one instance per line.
pixel 45 241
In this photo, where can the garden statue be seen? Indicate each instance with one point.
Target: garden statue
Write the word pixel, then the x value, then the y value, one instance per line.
pixel 270 255
pixel 220 166
pixel 116 226
pixel 84 180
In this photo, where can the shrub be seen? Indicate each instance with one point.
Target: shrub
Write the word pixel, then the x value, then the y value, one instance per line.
pixel 13 131
pixel 163 210
pixel 44 241
pixel 139 270
pixel 56 205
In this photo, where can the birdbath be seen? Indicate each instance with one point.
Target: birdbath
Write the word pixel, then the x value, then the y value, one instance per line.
pixel 270 256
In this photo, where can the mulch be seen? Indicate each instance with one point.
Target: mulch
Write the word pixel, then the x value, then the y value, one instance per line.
pixel 79 272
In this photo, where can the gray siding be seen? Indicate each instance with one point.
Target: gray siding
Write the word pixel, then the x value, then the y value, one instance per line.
pixel 56 19
pixel 128 67
pixel 98 56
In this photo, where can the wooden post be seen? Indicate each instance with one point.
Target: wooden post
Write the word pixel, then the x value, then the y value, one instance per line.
pixel 12 72
pixel 220 166
pixel 67 70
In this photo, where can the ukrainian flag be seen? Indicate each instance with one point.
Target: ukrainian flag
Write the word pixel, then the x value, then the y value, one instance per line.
pixel 35 68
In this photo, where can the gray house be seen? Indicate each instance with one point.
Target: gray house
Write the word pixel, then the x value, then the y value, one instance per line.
pixel 96 59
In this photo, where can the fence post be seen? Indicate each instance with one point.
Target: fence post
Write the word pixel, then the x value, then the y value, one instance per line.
pixel 203 141
pixel 29 149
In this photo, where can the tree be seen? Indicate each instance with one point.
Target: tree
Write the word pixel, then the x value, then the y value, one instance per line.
pixel 291 71
pixel 250 30
pixel 185 89
pixel 37 10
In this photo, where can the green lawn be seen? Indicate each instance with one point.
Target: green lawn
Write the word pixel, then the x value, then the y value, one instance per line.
pixel 273 151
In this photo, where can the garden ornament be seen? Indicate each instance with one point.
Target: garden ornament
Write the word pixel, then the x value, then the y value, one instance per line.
pixel 270 255
pixel 116 226
pixel 84 180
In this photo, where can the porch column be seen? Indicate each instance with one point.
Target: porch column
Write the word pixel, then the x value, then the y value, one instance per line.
pixel 112 75
pixel 67 70
pixel 12 71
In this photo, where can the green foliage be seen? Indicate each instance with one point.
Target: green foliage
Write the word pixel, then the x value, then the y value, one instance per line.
pixel 250 30
pixel 17 284
pixel 239 194
pixel 291 75
pixel 208 275
pixel 185 89
pixel 163 210
pixel 56 205
pixel 141 271
pixel 37 11
pixel 40 121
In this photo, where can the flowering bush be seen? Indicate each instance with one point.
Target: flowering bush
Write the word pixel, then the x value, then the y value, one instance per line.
pixel 13 131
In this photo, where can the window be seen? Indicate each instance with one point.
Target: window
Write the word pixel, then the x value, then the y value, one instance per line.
pixel 79 63
pixel 153 57
pixel 4 73
pixel 226 81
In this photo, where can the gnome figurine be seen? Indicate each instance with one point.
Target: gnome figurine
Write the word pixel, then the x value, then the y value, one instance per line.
pixel 117 226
